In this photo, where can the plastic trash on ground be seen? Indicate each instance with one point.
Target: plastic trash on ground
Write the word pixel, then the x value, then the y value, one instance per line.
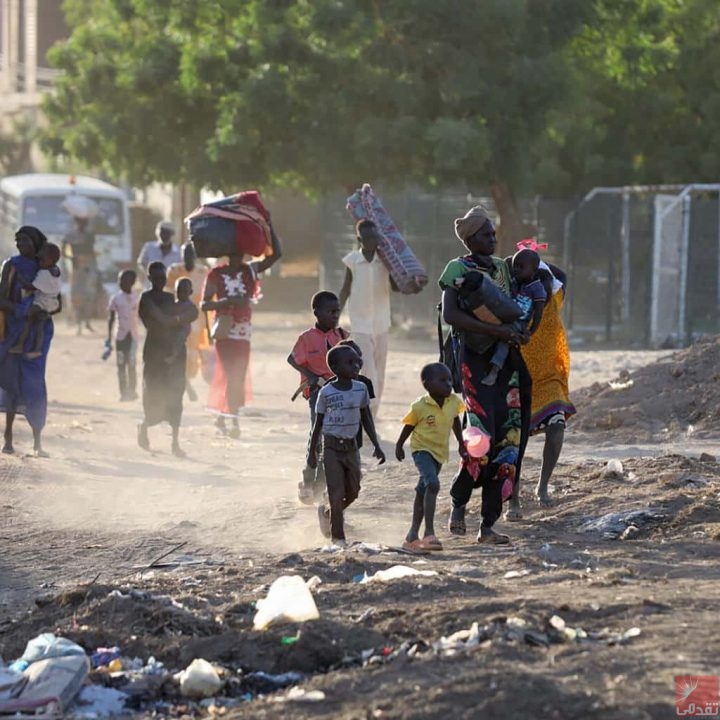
pixel 46 646
pixel 50 687
pixel 395 573
pixel 199 679
pixel 96 701
pixel 104 656
pixel 298 694
pixel 614 468
pixel 288 600
pixel 460 640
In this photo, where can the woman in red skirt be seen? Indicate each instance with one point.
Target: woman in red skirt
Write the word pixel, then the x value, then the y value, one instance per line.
pixel 230 291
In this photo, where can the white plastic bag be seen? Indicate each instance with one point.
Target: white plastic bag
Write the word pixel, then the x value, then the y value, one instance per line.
pixel 199 679
pixel 288 600
pixel 395 573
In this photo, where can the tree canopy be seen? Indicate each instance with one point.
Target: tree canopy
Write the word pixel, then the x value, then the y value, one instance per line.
pixel 514 96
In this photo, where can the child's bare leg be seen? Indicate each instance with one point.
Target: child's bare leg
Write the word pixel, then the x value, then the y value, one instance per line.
pixel 177 451
pixel 491 377
pixel 132 380
pixel 418 515
pixel 554 437
pixel 39 337
pixel 142 436
pixel 234 431
pixel 8 448
pixel 431 493
pixel 17 348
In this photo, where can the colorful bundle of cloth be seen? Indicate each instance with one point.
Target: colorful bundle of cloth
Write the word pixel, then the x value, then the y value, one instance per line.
pixel 404 268
pixel 236 224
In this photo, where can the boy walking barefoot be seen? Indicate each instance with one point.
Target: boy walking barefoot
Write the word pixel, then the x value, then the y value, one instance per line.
pixel 429 422
pixel 124 306
pixel 342 405
pixel 308 357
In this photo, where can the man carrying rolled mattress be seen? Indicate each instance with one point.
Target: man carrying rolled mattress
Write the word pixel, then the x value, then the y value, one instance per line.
pixel 367 291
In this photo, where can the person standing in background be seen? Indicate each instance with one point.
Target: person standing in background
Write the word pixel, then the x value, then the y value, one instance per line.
pixel 367 291
pixel 163 250
pixel 79 246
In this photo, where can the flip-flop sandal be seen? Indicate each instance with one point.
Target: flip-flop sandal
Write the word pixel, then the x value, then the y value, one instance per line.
pixel 430 542
pixel 415 547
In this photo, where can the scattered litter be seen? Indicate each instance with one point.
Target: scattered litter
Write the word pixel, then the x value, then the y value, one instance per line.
pixel 613 470
pixel 288 600
pixel 96 701
pixel 298 694
pixel 290 639
pixel 46 646
pixel 104 656
pixel 370 611
pixel 199 679
pixel 50 686
pixel 512 574
pixel 265 682
pixel 620 385
pixel 395 573
pixel 314 582
pixel 612 525
pixel 458 641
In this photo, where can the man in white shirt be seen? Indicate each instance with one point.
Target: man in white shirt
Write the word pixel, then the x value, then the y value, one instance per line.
pixel 367 288
pixel 162 250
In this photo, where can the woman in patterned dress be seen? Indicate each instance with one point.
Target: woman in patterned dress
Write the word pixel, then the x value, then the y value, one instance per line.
pixel 501 410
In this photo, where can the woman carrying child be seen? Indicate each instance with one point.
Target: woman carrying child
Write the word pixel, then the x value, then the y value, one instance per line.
pixel 163 358
pixel 22 378
pixel 501 410
pixel 230 291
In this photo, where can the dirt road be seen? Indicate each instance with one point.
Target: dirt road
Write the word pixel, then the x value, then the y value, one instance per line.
pixel 100 509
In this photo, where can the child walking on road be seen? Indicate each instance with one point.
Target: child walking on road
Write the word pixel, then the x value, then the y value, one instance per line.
pixel 308 357
pixel 124 306
pixel 430 420
pixel 342 405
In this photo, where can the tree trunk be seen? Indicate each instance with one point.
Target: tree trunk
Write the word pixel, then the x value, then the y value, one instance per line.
pixel 511 228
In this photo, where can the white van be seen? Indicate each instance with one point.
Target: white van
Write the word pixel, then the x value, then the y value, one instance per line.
pixel 37 199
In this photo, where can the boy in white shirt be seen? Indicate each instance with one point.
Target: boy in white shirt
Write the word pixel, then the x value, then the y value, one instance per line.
pixel 367 290
pixel 124 306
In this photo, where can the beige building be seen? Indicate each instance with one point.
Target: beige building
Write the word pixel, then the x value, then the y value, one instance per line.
pixel 28 29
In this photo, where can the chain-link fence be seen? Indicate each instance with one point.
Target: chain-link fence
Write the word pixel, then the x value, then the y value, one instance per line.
pixel 643 264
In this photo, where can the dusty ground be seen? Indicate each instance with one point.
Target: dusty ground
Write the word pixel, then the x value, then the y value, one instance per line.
pixel 101 510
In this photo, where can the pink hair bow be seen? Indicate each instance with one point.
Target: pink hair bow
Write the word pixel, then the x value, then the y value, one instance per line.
pixel 530 244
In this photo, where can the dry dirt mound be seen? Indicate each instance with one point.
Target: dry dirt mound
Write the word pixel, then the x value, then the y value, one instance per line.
pixel 679 395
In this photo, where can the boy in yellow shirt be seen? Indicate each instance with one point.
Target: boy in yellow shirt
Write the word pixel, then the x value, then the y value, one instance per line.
pixel 429 421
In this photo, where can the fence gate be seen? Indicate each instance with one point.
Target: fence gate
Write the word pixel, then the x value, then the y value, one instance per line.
pixel 669 274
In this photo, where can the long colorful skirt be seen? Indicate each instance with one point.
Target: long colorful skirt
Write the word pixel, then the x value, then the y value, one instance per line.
pixel 502 411
pixel 230 386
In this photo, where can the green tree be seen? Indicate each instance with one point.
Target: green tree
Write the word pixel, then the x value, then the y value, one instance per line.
pixel 512 96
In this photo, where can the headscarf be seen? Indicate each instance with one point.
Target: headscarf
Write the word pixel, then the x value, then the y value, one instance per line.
pixel 473 220
pixel 38 238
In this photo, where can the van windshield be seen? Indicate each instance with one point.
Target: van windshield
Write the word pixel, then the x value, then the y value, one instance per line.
pixel 47 213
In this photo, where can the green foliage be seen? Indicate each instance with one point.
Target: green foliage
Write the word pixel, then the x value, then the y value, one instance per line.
pixel 531 95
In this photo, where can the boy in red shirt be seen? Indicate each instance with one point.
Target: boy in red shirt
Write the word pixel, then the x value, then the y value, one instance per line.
pixel 308 357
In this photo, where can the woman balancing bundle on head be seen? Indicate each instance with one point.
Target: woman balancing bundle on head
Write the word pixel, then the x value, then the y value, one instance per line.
pixel 500 410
